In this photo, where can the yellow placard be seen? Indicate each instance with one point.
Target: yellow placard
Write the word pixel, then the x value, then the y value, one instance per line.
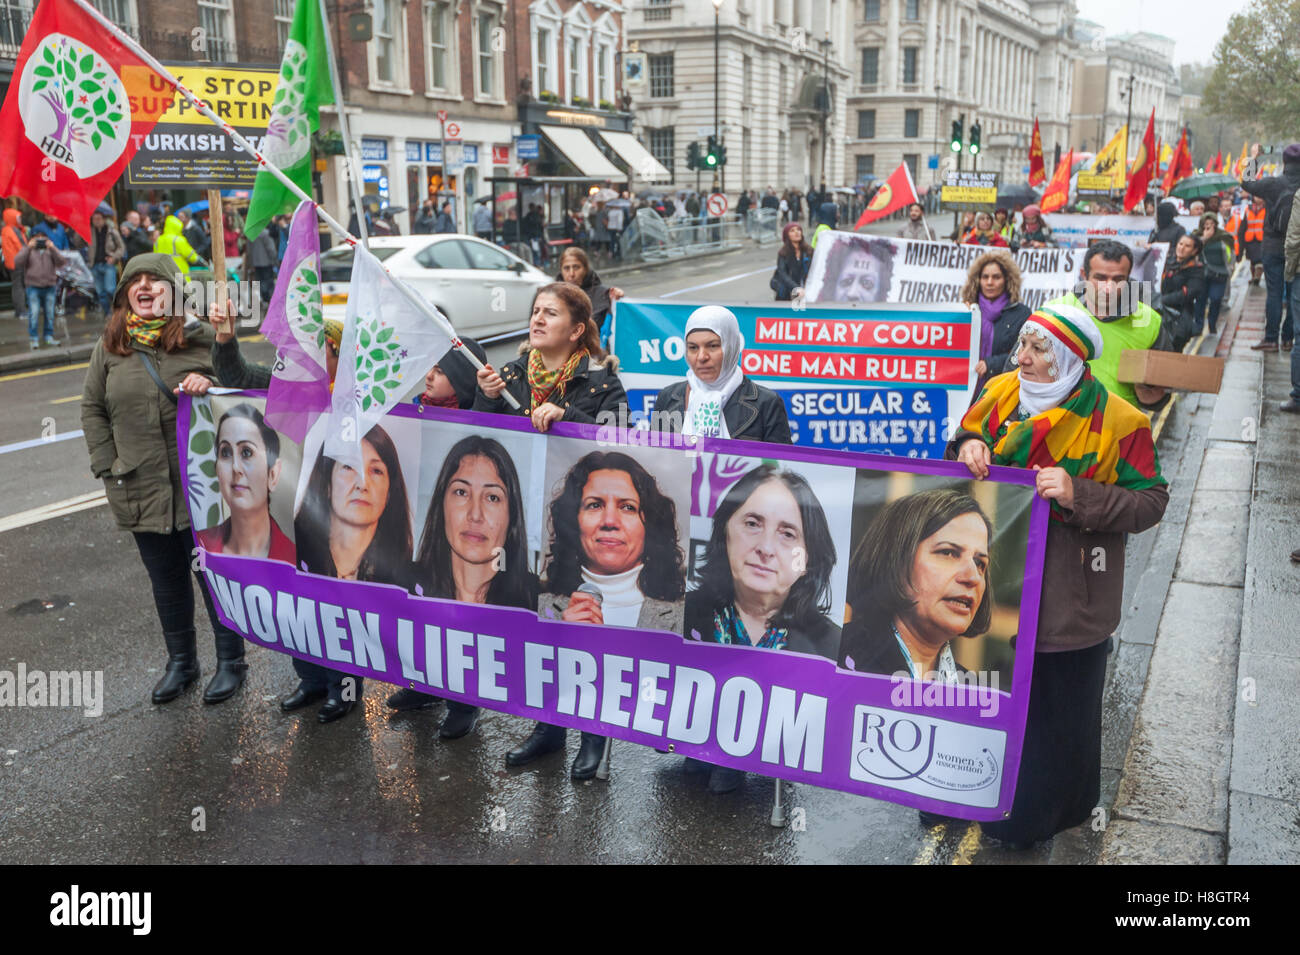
pixel 242 97
pixel 974 195
pixel 1092 182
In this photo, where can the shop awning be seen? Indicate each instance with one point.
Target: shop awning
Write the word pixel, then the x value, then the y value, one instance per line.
pixel 642 165
pixel 579 150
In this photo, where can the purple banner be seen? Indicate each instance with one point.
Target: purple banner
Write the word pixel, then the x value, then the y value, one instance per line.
pixel 622 576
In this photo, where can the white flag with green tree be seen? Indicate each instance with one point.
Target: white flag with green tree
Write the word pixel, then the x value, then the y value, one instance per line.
pixel 295 115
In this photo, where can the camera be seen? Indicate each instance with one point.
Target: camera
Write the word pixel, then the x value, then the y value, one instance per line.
pixel 41 242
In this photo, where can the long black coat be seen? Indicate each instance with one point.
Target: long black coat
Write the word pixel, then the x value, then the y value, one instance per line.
pixel 593 390
pixel 1006 332
pixel 752 413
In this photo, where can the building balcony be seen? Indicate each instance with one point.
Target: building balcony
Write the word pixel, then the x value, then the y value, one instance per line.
pixel 14 21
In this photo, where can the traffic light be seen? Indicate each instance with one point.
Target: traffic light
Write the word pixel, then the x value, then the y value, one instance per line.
pixel 955 145
pixel 974 139
pixel 711 156
pixel 693 154
pixel 722 154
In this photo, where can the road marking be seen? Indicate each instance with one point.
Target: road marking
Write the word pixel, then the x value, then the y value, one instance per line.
pixel 46 512
pixel 43 371
pixel 970 843
pixel 64 401
pixel 34 442
pixel 729 278
pixel 933 837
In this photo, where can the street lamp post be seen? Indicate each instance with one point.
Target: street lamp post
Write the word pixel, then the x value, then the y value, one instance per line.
pixel 826 100
pixel 717 132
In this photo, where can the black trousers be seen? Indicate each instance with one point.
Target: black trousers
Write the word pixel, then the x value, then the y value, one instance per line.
pixel 167 558
pixel 316 677
pixel 1060 768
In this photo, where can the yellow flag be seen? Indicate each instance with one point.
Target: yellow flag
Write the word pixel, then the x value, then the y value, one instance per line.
pixel 1111 164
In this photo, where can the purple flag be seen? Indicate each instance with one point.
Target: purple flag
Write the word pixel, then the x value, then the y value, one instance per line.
pixel 295 324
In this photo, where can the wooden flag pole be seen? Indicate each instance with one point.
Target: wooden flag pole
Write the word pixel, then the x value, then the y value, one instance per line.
pixel 217 230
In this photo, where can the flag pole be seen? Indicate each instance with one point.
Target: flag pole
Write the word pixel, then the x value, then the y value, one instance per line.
pixel 202 109
pixel 350 159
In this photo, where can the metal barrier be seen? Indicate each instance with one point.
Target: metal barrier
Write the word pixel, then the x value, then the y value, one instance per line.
pixel 652 238
pixel 763 226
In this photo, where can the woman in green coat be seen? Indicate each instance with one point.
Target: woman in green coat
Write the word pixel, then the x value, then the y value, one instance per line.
pixel 128 413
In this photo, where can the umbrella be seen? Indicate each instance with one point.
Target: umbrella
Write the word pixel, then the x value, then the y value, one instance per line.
pixel 650 195
pixel 603 195
pixel 104 209
pixel 1017 194
pixel 1206 184
pixel 193 207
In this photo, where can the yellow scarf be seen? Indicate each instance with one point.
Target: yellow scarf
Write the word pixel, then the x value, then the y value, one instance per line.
pixel 146 331
pixel 543 383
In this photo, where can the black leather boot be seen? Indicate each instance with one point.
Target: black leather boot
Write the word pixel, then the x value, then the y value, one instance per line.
pixel 231 668
pixel 460 719
pixel 545 739
pixel 588 758
pixel 409 699
pixel 182 666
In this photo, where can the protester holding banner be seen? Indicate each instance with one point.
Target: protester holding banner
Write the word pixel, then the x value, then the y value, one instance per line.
pixel 717 399
pixel 128 413
pixel 1217 254
pixel 562 373
pixel 993 283
pixel 1097 465
pixel 765 578
pixel 575 269
pixel 919 580
pixel 984 233
pixel 354 525
pixel 1033 233
pixel 792 263
pixel 474 546
pixel 248 470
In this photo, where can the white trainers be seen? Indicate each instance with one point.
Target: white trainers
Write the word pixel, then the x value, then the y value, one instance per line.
pixel 51 341
pixel 35 344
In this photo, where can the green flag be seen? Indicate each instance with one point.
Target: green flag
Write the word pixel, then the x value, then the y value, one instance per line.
pixel 295 114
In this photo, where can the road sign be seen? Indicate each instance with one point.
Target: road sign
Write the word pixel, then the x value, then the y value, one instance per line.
pixel 717 204
pixel 453 131
pixel 442 116
pixel 526 147
pixel 932 161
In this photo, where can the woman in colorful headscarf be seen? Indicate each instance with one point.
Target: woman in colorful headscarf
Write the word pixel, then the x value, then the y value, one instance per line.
pixel 717 400
pixel 1096 463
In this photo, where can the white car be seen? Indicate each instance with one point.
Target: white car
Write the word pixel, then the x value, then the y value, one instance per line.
pixel 482 289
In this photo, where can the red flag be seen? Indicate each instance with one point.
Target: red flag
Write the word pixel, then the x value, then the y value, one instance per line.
pixel 1037 173
pixel 1057 192
pixel 1180 164
pixel 894 193
pixel 1142 172
pixel 78 107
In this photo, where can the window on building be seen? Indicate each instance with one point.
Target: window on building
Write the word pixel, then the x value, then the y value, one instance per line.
pixel 870 65
pixel 661 75
pixel 576 86
pixel 911 56
pixel 545 45
pixel 866 167
pixel 663 146
pixel 442 39
pixel 911 123
pixel 658 9
pixel 604 73
pixel 119 11
pixel 283 21
pixel 487 85
pixel 912 160
pixel 385 30
pixel 216 19
pixel 872 12
pixel 782 84
pixel 866 124
pixel 912 10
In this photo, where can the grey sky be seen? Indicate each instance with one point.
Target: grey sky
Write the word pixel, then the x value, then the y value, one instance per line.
pixel 1195 25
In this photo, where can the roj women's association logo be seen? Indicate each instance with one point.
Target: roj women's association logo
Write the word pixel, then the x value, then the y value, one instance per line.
pixel 74 106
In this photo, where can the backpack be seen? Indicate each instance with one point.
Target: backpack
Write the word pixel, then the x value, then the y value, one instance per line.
pixel 1279 215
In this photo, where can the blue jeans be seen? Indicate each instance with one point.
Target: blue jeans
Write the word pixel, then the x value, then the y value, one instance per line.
pixel 1215 290
pixel 1276 285
pixel 1295 352
pixel 105 284
pixel 38 300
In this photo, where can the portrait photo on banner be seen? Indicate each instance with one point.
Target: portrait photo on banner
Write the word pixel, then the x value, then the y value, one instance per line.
pixel 935 576
pixel 769 551
pixel 614 535
pixel 242 475
pixel 478 515
pixel 360 524
pixel 853 268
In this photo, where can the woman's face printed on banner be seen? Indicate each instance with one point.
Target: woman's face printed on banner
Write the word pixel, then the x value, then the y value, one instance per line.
pixel 242 472
pixel 476 511
pixel 610 523
pixel 948 578
pixel 704 354
pixel 359 497
pixel 765 543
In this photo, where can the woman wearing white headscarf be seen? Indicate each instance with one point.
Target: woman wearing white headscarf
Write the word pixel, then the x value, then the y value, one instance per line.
pixel 1095 463
pixel 716 400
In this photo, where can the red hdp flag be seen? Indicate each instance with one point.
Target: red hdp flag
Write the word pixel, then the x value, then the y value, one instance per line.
pixel 1143 170
pixel 894 193
pixel 1057 192
pixel 78 107
pixel 1180 164
pixel 1037 172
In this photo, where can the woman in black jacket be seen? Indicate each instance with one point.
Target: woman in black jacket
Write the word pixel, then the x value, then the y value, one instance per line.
pixel 575 269
pixel 562 374
pixel 716 399
pixel 1166 230
pixel 792 263
pixel 1181 287
pixel 993 283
